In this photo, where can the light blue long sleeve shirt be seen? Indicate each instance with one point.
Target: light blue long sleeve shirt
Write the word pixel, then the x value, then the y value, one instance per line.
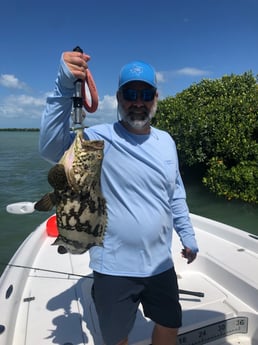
pixel 140 181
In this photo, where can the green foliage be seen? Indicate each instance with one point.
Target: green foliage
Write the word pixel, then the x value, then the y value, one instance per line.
pixel 237 182
pixel 216 121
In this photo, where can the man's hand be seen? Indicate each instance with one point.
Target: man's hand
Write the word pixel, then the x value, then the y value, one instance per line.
pixel 188 254
pixel 77 63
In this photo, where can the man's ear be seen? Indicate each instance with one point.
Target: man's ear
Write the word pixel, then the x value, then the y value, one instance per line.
pixel 118 95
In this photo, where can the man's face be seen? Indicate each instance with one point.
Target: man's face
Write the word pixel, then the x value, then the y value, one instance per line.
pixel 137 104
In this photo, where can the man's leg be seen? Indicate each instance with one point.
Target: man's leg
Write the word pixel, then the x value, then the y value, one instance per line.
pixel 164 335
pixel 116 300
pixel 160 302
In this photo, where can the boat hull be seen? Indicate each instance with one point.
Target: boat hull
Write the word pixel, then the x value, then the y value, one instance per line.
pixel 46 296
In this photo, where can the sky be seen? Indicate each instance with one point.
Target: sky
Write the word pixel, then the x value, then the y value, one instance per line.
pixel 185 40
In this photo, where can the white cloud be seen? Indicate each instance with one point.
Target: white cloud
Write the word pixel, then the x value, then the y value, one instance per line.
pixel 160 77
pixel 108 103
pixel 106 112
pixel 25 100
pixel 10 81
pixel 22 106
pixel 164 77
pixel 191 71
pixel 28 107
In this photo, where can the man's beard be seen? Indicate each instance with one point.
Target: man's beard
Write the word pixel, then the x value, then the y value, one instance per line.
pixel 137 121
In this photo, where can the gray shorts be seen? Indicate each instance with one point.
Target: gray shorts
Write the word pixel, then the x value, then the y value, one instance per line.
pixel 117 299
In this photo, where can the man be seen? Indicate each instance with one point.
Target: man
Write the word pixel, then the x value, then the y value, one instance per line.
pixel 145 198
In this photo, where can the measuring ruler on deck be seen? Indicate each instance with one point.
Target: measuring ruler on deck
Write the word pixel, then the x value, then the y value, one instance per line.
pixel 214 331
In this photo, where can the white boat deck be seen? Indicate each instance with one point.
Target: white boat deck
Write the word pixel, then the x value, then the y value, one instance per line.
pixel 49 304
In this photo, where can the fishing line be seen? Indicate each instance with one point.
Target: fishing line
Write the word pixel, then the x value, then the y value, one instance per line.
pixel 46 270
pixel 185 292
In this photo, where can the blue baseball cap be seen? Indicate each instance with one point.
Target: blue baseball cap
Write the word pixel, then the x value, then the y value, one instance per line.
pixel 137 70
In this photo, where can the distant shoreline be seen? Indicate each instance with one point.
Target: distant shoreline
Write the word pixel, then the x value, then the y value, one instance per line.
pixel 19 129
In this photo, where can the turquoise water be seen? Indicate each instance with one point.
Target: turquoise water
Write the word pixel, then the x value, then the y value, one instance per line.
pixel 23 177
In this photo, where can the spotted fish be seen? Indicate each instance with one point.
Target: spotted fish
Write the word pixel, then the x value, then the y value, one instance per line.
pixel 80 206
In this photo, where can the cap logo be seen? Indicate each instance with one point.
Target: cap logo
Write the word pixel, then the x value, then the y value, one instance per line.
pixel 136 70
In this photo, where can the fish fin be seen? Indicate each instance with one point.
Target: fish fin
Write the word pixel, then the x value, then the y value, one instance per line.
pixel 46 203
pixel 58 241
pixel 57 177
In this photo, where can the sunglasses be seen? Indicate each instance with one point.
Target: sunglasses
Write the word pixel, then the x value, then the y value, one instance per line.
pixel 146 95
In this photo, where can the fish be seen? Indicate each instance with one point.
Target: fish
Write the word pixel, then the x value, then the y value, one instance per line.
pixel 81 210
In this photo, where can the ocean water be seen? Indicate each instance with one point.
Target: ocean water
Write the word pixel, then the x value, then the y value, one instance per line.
pixel 23 177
